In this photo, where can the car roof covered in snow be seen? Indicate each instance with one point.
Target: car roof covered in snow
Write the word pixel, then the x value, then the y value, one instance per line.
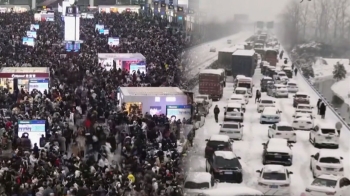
pixel 270 111
pixel 219 138
pixel 304 105
pixel 329 153
pixel 240 76
pixel 281 72
pixel 211 71
pixel 230 123
pixel 330 177
pixel 283 123
pixel 234 105
pixel 225 154
pixel 274 168
pixel 198 177
pixel 241 88
pixel 231 190
pixel 291 81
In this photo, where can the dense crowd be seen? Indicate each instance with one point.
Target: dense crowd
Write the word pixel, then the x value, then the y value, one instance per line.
pixel 91 146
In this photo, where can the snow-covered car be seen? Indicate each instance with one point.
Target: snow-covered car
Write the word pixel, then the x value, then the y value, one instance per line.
pixel 265 103
pixel 328 185
pixel 304 108
pixel 274 180
pixel 232 129
pixel 212 49
pixel 196 181
pixel 234 112
pixel 277 151
pixel 217 142
pixel 303 121
pixel 278 90
pixel 279 75
pixel 324 134
pixel 326 162
pixel 300 98
pixel 242 91
pixel 292 86
pixel 234 98
pixel 206 98
pixel 229 41
pixel 225 166
pixel 282 130
pixel 270 115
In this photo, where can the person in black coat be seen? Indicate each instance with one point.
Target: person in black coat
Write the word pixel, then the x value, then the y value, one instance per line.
pixel 318 106
pixel 323 110
pixel 216 113
pixel 257 96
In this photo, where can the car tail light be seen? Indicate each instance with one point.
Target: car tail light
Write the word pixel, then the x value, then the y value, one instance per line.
pixel 284 185
pixel 331 193
pixel 295 121
pixel 262 184
pixel 307 190
pixel 318 167
pixel 341 169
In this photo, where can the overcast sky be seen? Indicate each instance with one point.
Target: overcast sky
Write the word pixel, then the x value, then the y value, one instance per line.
pixel 266 10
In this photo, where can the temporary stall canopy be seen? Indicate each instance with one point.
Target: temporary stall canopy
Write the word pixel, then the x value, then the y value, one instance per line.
pixel 121 56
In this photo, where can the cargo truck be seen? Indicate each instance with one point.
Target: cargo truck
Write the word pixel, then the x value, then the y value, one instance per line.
pixel 225 59
pixel 212 83
pixel 243 63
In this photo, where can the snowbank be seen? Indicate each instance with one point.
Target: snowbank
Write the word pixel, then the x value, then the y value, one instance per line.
pixel 342 90
pixel 323 68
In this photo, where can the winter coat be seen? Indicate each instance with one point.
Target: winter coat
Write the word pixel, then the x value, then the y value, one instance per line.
pixel 318 103
pixel 216 110
pixel 322 109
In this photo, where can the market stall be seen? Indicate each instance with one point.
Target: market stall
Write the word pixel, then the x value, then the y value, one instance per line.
pixel 156 100
pixel 129 61
pixel 28 78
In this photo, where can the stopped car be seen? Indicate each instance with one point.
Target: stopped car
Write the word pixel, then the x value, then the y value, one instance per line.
pixel 232 129
pixel 305 108
pixel 303 121
pixel 225 166
pixel 326 162
pixel 292 86
pixel 231 190
pixel 217 142
pixel 274 180
pixel 324 135
pixel 278 90
pixel 206 98
pixel 212 49
pixel 229 41
pixel 282 80
pixel 264 83
pixel 288 71
pixel 265 103
pixel 300 98
pixel 196 181
pixel 282 130
pixel 233 112
pixel 234 98
pixel 270 115
pixel 326 185
pixel 279 74
pixel 242 91
pixel 277 151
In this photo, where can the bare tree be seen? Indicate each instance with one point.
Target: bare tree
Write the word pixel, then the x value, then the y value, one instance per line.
pixel 291 18
pixel 304 19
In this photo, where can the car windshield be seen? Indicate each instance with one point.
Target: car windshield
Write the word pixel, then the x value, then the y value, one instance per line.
pixel 329 160
pixel 292 84
pixel 233 110
pixel 328 131
pixel 300 96
pixel 240 92
pixel 244 85
pixel 267 101
pixel 235 99
pixel 274 176
pixel 285 128
pixel 216 144
pixel 221 162
pixel 281 74
pixel 202 97
pixel 196 185
pixel 302 107
pixel 324 183
pixel 230 126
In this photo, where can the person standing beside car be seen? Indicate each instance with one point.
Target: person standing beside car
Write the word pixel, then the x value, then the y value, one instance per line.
pixel 216 113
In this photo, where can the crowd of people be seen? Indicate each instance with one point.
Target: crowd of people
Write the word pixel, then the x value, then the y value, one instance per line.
pixel 91 146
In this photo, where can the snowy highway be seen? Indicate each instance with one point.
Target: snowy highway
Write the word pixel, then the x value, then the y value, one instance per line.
pixel 254 134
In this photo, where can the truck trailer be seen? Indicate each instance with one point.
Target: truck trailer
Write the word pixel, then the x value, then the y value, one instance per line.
pixel 225 58
pixel 212 83
pixel 243 63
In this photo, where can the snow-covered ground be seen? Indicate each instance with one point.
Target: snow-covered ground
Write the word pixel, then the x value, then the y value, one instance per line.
pixel 323 68
pixel 342 90
pixel 250 149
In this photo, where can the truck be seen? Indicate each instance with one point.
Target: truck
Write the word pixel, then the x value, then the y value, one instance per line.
pixel 243 63
pixel 212 83
pixel 225 59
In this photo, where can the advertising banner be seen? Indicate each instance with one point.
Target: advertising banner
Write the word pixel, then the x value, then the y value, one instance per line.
pixel 155 110
pixel 136 65
pixel 28 41
pixel 113 41
pixel 34 128
pixel 39 84
pixel 162 8
pixel 178 112
pixel 32 34
pixel 156 5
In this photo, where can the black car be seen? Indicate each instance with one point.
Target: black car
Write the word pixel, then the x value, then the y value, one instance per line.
pixel 225 166
pixel 217 142
pixel 277 151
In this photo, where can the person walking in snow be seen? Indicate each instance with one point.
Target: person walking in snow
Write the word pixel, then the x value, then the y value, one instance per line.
pixel 257 96
pixel 216 113
pixel 318 106
pixel 295 71
pixel 323 110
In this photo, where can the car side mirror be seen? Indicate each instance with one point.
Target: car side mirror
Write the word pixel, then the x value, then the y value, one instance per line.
pixel 290 172
pixel 258 171
pixel 270 126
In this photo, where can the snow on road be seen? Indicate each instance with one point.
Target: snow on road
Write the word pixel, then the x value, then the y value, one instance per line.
pixel 250 148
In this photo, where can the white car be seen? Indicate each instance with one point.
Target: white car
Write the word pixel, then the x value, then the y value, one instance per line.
pixel 303 121
pixel 265 103
pixel 234 111
pixel 326 185
pixel 304 108
pixel 278 90
pixel 270 115
pixel 206 98
pixel 282 130
pixel 232 129
pixel 324 134
pixel 212 49
pixel 242 91
pixel 292 86
pixel 197 181
pixel 274 180
pixel 234 98
pixel 326 162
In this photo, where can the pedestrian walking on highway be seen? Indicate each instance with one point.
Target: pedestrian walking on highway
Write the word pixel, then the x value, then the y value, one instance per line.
pixel 295 71
pixel 257 95
pixel 190 137
pixel 216 113
pixel 323 110
pixel 318 106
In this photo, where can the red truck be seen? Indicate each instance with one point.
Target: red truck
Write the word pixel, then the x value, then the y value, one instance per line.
pixel 212 83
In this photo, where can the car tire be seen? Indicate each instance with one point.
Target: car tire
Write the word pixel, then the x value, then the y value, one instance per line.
pixel 315 144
